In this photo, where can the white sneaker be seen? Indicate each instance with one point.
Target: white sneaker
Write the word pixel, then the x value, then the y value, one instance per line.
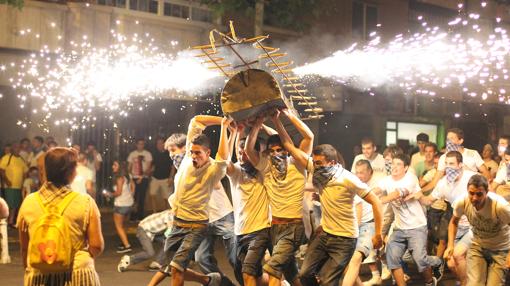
pixel 215 279
pixel 285 283
pixel 125 261
pixel 385 273
pixel 154 266
pixel 375 280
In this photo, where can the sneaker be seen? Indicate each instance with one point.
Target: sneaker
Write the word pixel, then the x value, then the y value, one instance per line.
pixel 125 261
pixel 214 279
pixel 375 280
pixel 385 273
pixel 438 271
pixel 123 249
pixel 285 283
pixel 407 278
pixel 154 266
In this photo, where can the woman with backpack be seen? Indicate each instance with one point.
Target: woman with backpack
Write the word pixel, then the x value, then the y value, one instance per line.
pixel 123 191
pixel 59 242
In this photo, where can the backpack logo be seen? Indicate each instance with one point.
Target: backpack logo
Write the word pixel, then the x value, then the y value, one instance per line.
pixel 50 248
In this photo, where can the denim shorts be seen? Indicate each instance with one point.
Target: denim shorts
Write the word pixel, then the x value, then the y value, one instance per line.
pixel 464 237
pixel 286 239
pixel 250 251
pixel 122 210
pixel 184 241
pixel 414 240
pixel 364 243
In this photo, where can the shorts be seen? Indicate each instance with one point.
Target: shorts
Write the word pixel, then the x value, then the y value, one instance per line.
pixel 13 198
pixel 250 251
pixel 184 241
pixel 364 242
pixel 437 222
pixel 464 237
pixel 122 210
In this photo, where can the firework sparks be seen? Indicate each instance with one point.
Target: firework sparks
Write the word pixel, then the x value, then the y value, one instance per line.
pixel 70 87
pixel 425 63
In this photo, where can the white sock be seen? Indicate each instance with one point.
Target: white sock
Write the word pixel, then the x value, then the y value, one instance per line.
pixel 376 273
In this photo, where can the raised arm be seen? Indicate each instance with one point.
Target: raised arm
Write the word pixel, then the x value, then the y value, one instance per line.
pixel 249 147
pixel 197 125
pixel 306 144
pixel 232 147
pixel 269 131
pixel 299 155
pixel 223 149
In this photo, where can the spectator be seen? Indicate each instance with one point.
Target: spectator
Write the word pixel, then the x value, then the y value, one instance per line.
pixel 83 219
pixel 7 149
pixel 38 150
pixel 31 183
pixel 94 161
pixel 140 161
pixel 161 181
pixel 488 161
pixel 123 192
pixel 49 141
pixel 52 144
pixel 427 164
pixel 82 183
pixel 12 171
pixel 421 140
pixel 76 147
pixel 25 153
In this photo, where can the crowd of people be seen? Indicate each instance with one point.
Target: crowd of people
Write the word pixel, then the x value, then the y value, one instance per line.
pixel 285 212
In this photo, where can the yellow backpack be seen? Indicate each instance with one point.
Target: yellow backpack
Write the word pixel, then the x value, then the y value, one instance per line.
pixel 50 248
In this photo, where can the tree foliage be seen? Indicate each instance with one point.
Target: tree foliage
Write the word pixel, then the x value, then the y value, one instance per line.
pixel 15 3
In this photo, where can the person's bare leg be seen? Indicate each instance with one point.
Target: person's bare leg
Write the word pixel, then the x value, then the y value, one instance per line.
pixel 459 256
pixel 352 270
pixel 296 282
pixel 118 220
pixel 192 275
pixel 427 275
pixel 398 274
pixel 157 278
pixel 441 247
pixel 177 277
pixel 274 281
pixel 249 280
pixel 263 280
pixel 451 265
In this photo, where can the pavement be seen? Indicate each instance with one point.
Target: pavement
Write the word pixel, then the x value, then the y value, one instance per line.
pixel 106 264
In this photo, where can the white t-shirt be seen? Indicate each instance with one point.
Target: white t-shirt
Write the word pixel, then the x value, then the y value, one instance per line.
pixel 337 201
pixel 79 184
pixel 33 161
pixel 139 159
pixel 470 158
pixel 377 165
pixel 501 175
pixel 251 203
pixel 490 224
pixel 454 191
pixel 285 196
pixel 193 186
pixel 367 214
pixel 219 204
pixel 126 197
pixel 92 165
pixel 408 214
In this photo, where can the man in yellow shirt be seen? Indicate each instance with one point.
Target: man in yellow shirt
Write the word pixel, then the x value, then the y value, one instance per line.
pixel 12 171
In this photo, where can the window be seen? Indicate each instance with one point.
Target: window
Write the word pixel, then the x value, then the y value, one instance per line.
pixel 202 15
pixel 153 7
pixel 407 131
pixel 139 5
pixel 113 3
pixel 364 19
pixel 176 10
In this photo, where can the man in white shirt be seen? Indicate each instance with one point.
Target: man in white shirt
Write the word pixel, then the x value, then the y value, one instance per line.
pixel 503 142
pixel 410 226
pixel 94 161
pixel 471 158
pixel 369 152
pixel 450 188
pixel 140 166
pixel 284 179
pixel 194 181
pixel 489 216
pixel 251 211
pixel 82 183
pixel 366 222
pixel 500 185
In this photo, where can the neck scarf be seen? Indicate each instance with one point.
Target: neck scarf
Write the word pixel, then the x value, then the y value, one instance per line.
pixel 249 169
pixel 279 166
pixel 323 174
pixel 387 167
pixel 177 159
pixel 450 146
pixel 452 174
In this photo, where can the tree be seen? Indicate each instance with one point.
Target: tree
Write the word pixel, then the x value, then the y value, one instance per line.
pixel 15 3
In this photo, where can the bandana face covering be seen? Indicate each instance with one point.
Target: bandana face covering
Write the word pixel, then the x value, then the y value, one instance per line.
pixel 177 159
pixel 452 174
pixel 387 167
pixel 249 169
pixel 323 174
pixel 450 146
pixel 279 166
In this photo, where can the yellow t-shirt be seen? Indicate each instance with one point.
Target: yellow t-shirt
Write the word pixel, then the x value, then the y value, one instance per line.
pixel 15 168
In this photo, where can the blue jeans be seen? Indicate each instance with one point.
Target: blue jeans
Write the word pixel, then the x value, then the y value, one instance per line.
pixel 204 255
pixel 416 241
pixel 364 243
pixel 148 247
pixel 326 257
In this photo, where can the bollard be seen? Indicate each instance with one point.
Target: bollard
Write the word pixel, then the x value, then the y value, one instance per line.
pixel 4 244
